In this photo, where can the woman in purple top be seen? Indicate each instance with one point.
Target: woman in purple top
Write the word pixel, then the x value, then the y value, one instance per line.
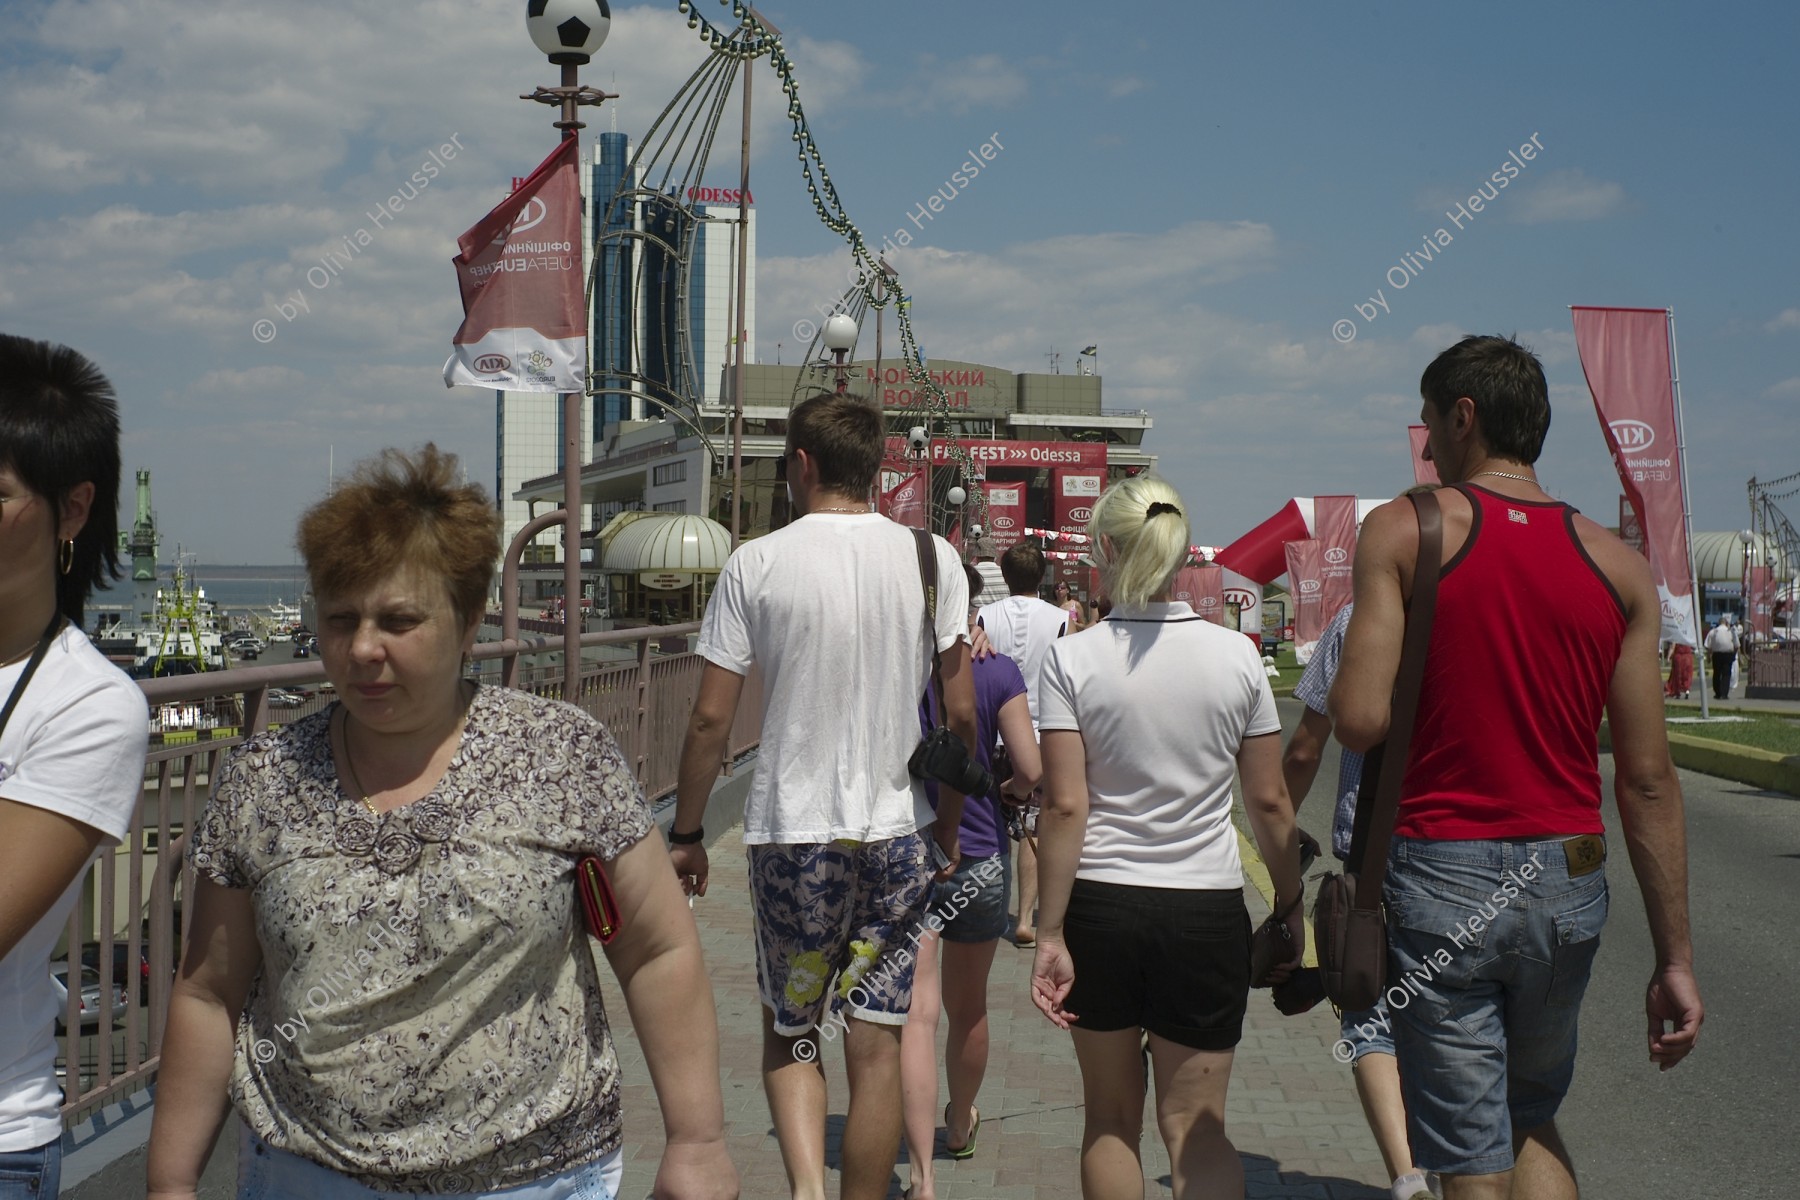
pixel 968 914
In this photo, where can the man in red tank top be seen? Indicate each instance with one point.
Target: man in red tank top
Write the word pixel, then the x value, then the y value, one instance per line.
pixel 1496 888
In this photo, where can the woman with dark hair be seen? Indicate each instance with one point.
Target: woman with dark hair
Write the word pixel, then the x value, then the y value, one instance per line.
pixel 386 974
pixel 1066 601
pixel 73 728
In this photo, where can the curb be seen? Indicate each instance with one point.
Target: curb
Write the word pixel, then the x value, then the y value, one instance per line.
pixel 1742 764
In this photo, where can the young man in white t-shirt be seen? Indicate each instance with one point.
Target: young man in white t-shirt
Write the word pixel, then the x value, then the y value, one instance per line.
pixel 1023 627
pixel 831 611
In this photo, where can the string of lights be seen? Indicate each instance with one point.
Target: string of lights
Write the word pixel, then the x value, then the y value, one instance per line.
pixel 751 40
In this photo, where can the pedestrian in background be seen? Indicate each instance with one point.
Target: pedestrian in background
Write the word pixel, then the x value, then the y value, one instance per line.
pixel 1145 723
pixel 1722 645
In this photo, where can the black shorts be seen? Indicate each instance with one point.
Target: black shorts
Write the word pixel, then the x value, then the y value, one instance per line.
pixel 1174 961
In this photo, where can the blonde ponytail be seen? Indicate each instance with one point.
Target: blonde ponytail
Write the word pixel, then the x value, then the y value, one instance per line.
pixel 1139 552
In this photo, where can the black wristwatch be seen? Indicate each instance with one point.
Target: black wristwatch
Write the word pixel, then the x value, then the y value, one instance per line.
pixel 686 839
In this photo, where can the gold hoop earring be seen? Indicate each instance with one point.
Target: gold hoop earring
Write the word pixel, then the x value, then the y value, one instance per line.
pixel 65 556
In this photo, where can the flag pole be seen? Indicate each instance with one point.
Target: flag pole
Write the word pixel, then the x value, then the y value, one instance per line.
pixel 1687 521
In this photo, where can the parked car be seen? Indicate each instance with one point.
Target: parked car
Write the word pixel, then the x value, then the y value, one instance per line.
pixel 282 698
pixel 121 971
pixel 93 1010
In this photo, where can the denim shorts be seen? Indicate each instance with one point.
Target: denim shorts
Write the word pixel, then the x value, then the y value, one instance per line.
pixel 31 1174
pixel 1490 948
pixel 265 1173
pixel 1366 1031
pixel 1174 961
pixel 971 904
pixel 838 926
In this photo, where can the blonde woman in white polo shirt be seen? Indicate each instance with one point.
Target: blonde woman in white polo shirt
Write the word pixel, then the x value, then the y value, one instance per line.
pixel 1142 928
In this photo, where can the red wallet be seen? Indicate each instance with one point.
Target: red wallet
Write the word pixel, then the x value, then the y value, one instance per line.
pixel 598 904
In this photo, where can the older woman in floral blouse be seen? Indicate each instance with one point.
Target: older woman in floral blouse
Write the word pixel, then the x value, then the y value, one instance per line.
pixel 387 976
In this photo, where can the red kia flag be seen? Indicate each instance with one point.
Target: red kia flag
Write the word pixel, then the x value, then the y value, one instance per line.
pixel 1762 603
pixel 1246 593
pixel 905 500
pixel 1306 571
pixel 1203 590
pixel 1334 525
pixel 1075 490
pixel 1625 353
pixel 1005 513
pixel 1630 532
pixel 519 269
pixel 1424 470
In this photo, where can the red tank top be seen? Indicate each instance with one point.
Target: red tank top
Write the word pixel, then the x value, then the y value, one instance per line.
pixel 1523 647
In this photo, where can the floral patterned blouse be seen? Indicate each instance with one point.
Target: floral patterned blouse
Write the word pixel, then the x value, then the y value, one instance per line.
pixel 427 1017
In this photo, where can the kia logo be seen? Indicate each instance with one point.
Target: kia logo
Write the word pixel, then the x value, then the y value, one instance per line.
pixel 1308 586
pixel 1239 597
pixel 1083 515
pixel 1336 555
pixel 1633 435
pixel 492 364
pixel 1003 522
pixel 1209 602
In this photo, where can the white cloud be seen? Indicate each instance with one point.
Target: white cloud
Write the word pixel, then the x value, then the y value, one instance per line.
pixel 1125 86
pixel 1788 319
pixel 1785 389
pixel 1567 195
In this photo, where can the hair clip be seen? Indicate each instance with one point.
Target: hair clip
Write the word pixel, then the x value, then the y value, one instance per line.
pixel 1160 507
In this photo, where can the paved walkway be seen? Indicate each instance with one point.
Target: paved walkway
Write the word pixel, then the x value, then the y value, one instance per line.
pixel 1293 1112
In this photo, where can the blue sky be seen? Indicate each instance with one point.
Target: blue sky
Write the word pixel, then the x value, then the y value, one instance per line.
pixel 1200 190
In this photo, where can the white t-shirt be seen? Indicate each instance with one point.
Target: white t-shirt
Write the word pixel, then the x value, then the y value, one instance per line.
pixel 1163 701
pixel 75 746
pixel 993 583
pixel 830 608
pixel 1720 639
pixel 1023 628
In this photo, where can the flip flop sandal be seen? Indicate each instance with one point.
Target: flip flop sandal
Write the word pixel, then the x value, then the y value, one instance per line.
pixel 967 1149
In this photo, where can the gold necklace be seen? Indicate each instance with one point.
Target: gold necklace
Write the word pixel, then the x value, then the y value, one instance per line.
pixel 1507 475
pixel 350 766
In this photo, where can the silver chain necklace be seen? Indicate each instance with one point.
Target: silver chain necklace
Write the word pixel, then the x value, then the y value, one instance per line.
pixel 1507 475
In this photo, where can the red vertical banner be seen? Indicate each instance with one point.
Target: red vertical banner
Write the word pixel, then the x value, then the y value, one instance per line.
pixel 905 500
pixel 1762 603
pixel 1074 490
pixel 1334 526
pixel 1424 470
pixel 1005 513
pixel 1306 570
pixel 1203 590
pixel 1630 531
pixel 1625 354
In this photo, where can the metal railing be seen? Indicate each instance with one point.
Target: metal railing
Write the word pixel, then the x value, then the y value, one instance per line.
pixel 640 683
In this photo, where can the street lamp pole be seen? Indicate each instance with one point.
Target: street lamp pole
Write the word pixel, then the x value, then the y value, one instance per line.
pixel 752 19
pixel 570 33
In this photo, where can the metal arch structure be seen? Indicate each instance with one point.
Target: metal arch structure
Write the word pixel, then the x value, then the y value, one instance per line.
pixel 646 249
pixel 1774 671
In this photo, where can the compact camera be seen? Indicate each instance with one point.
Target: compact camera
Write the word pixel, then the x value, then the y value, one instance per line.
pixel 943 757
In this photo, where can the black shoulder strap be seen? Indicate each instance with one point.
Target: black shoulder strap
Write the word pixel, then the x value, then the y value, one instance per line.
pixel 1385 766
pixel 37 658
pixel 928 577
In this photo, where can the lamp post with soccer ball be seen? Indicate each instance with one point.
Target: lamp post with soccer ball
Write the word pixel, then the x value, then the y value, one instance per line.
pixel 570 32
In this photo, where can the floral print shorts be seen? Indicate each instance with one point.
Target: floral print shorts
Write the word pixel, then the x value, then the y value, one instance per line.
pixel 838 926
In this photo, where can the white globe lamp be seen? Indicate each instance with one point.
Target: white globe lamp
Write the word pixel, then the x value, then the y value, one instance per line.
pixel 840 333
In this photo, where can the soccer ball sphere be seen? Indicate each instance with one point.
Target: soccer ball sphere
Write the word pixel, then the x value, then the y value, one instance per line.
pixel 569 31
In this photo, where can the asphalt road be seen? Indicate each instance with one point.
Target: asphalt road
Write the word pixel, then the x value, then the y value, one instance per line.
pixel 1723 1124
